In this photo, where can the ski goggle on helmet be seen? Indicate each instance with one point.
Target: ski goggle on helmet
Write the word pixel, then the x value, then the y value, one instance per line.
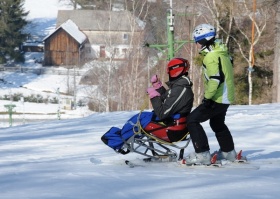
pixel 203 33
pixel 177 67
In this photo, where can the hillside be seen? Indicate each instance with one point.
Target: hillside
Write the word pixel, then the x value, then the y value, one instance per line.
pixel 42 15
pixel 66 159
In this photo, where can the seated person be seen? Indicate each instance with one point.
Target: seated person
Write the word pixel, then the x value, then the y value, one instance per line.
pixel 171 106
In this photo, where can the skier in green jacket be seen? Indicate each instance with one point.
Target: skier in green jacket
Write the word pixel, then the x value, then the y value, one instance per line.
pixel 218 95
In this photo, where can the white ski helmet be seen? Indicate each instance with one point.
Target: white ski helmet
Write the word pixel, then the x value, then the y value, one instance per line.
pixel 204 33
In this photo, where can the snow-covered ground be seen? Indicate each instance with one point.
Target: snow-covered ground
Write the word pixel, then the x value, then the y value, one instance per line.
pixel 52 160
pixel 42 15
pixel 48 87
pixel 66 158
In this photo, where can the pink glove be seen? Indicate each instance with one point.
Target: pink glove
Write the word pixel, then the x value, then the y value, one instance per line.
pixel 156 82
pixel 152 92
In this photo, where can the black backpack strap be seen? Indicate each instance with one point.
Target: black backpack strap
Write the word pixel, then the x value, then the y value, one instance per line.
pixel 221 78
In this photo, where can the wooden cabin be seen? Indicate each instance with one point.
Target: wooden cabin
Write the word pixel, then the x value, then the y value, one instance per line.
pixel 84 35
pixel 65 46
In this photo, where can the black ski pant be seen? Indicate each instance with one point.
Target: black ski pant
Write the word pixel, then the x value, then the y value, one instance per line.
pixel 216 116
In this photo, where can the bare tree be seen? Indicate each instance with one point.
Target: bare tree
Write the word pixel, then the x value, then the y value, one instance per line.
pixel 236 20
pixel 121 73
pixel 73 3
pixel 276 77
pixel 185 22
pixel 136 66
pixel 252 36
pixel 222 15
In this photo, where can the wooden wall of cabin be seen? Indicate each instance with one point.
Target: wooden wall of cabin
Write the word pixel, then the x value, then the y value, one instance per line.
pixel 61 49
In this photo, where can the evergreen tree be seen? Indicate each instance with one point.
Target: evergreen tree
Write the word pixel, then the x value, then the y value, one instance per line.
pixel 12 23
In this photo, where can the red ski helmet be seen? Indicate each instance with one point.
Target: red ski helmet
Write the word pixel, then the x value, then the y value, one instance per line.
pixel 177 67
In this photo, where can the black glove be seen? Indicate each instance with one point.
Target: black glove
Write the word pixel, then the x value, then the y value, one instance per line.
pixel 208 103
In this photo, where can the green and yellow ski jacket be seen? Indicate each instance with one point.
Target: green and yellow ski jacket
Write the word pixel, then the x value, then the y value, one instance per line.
pixel 218 75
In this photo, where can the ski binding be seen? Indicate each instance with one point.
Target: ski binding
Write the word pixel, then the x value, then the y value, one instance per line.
pixel 219 163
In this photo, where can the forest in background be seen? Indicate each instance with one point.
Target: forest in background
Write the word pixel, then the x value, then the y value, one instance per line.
pixel 233 20
pixel 122 85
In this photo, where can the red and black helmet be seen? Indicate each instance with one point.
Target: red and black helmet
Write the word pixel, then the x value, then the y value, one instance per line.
pixel 177 67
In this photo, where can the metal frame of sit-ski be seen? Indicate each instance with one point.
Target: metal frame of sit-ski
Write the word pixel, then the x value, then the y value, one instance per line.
pixel 160 150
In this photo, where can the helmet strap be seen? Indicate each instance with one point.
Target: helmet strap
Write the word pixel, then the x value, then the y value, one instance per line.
pixel 206 49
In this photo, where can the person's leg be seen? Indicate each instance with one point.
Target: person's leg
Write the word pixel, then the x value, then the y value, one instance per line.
pixel 197 133
pixel 223 135
pixel 217 123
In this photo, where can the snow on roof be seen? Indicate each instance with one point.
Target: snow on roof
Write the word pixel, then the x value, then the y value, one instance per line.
pixel 71 28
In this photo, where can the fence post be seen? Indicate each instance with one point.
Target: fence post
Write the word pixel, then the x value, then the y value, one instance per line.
pixel 10 111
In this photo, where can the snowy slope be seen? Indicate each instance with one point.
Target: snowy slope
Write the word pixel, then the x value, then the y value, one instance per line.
pixel 52 160
pixel 42 14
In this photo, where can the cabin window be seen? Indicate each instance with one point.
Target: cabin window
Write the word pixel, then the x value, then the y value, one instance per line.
pixel 125 36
